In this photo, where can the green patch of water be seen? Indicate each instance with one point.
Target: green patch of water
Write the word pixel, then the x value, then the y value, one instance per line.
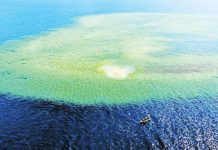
pixel 64 64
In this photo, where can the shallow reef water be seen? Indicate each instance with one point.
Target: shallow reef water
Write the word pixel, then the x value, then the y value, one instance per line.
pixel 142 50
pixel 175 124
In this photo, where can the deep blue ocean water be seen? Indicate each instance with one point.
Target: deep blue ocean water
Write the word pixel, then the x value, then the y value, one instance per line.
pixel 39 124
pixel 176 124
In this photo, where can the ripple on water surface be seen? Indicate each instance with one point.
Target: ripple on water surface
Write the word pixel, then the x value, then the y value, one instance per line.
pixel 176 124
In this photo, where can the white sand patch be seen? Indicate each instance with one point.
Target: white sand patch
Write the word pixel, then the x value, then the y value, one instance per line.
pixel 116 71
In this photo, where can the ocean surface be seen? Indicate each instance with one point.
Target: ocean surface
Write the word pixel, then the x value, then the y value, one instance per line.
pixel 176 124
pixel 19 18
pixel 45 105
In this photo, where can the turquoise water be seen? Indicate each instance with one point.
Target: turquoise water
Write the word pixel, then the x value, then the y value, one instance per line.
pixel 20 18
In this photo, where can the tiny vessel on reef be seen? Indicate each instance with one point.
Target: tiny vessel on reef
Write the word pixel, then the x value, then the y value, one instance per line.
pixel 145 120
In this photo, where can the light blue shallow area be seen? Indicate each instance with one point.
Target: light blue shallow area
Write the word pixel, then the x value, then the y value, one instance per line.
pixel 19 18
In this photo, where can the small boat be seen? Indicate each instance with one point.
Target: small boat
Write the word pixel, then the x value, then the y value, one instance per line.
pixel 145 120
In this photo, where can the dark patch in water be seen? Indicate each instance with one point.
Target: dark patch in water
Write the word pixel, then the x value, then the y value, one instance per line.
pixel 188 69
pixel 175 124
pixel 4 73
pixel 23 77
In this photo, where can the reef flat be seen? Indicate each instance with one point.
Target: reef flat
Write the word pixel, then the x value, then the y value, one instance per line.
pixel 115 59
